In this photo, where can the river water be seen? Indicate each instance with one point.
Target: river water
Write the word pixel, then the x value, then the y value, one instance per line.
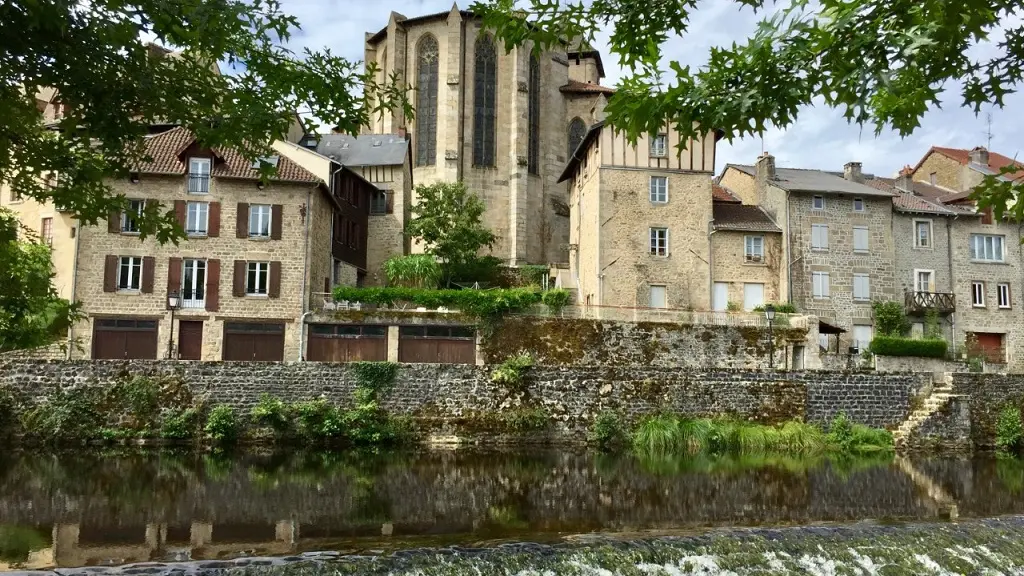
pixel 422 512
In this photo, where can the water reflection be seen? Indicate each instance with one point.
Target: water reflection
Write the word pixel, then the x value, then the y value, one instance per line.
pixel 88 509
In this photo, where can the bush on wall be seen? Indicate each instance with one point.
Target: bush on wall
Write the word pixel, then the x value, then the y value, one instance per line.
pixel 899 346
pixel 479 303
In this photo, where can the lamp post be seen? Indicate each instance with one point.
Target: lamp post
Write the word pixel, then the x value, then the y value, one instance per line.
pixel 769 314
pixel 173 302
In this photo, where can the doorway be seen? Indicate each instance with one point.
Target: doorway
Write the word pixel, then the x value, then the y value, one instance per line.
pixel 190 340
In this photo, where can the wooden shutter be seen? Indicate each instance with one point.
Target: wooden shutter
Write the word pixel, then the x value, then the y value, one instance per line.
pixel 148 268
pixel 173 275
pixel 110 274
pixel 987 216
pixel 242 221
pixel 274 290
pixel 114 222
pixel 212 285
pixel 389 195
pixel 213 228
pixel 180 211
pixel 276 215
pixel 238 281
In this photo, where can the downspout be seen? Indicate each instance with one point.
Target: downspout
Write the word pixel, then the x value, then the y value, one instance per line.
pixel 789 251
pixel 74 288
pixel 305 275
pixel 462 100
pixel 952 280
pixel 711 263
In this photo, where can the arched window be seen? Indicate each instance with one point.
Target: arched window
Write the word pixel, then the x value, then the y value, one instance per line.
pixel 533 156
pixel 426 101
pixel 577 130
pixel 484 101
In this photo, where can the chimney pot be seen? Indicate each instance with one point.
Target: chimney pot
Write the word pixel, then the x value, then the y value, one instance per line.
pixel 979 155
pixel 852 172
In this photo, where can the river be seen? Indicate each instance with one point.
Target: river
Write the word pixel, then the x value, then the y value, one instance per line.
pixel 421 512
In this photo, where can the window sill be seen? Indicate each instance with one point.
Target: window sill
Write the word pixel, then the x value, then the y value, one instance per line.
pixel 379 213
pixel 862 252
pixel 996 262
pixel 1006 308
pixel 755 264
pixel 259 238
pixel 191 193
pixel 197 236
pixel 821 250
pixel 659 256
pixel 923 248
pixel 129 291
pixel 821 298
pixel 659 203
pixel 260 296
pixel 862 301
pixel 128 233
pixel 979 306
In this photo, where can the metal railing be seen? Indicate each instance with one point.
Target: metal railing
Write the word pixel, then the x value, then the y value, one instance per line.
pixel 915 301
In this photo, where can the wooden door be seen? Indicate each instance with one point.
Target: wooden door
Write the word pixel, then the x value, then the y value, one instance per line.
pixel 991 346
pixel 245 341
pixel 190 340
pixel 124 339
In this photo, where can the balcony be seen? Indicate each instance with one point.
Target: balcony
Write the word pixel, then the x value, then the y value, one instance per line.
pixel 942 302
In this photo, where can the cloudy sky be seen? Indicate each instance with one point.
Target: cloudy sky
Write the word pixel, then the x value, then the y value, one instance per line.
pixel 821 138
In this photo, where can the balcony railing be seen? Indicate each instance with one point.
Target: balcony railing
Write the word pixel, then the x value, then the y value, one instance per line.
pixel 923 301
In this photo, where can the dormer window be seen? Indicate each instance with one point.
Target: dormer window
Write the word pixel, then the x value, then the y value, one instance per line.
pixel 198 175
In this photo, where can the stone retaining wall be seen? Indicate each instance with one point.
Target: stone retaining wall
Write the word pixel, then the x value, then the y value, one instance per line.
pixel 988 393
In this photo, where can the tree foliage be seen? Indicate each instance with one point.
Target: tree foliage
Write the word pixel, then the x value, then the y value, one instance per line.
pixel 113 85
pixel 447 218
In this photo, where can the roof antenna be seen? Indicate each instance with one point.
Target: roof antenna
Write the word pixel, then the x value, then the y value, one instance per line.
pixel 762 145
pixel 988 131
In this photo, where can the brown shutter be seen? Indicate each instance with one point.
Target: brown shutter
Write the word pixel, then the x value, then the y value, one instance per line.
pixel 242 222
pixel 390 197
pixel 114 222
pixel 212 285
pixel 238 282
pixel 274 290
pixel 148 268
pixel 179 211
pixel 110 274
pixel 276 215
pixel 173 275
pixel 213 229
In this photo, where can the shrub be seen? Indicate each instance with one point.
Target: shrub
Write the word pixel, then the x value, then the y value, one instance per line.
pixel 657 435
pixel 8 412
pixel 479 303
pixel 1009 431
pixel 317 420
pixel 781 308
pixel 222 425
pixel 846 437
pixel 731 306
pixel 483 269
pixel 607 431
pixel 413 271
pixel 899 346
pixel 890 319
pixel 932 325
pixel 510 372
pixel 272 413
pixel 139 397
pixel 526 419
pixel 180 424
pixel 69 416
pixel 376 376
pixel 555 299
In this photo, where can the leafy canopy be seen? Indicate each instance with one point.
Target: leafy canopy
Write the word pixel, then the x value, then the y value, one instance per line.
pixel 113 85
pixel 447 218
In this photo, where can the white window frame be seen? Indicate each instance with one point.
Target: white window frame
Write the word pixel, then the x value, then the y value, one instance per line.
pixel 655 240
pixel 977 294
pixel 818 203
pixel 820 285
pixel 659 145
pixel 196 264
pixel 917 280
pixel 753 248
pixel 197 218
pixel 260 269
pixel 198 170
pixel 260 212
pixel 866 233
pixel 129 224
pixel 982 244
pixel 134 264
pixel 655 193
pixel 860 201
pixel 861 285
pixel 1004 296
pixel 917 236
pixel 819 237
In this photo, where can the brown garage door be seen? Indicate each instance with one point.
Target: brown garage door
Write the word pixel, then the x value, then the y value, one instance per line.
pixel 990 345
pixel 251 341
pixel 437 344
pixel 123 338
pixel 347 343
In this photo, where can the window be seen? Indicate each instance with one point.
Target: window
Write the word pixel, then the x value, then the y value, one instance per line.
pixel 426 101
pixel 862 336
pixel 753 248
pixel 193 283
pixel 379 202
pixel 1003 293
pixel 129 275
pixel 922 233
pixel 577 130
pixel 924 281
pixel 753 295
pixel 986 247
pixel 820 284
pixel 198 175
pixel 858 204
pixel 46 231
pixel 257 278
pixel 259 220
pixel 818 203
pixel 533 118
pixel 860 239
pixel 197 218
pixel 861 287
pixel 659 145
pixel 659 189
pixel 15 195
pixel 129 222
pixel 659 241
pixel 819 237
pixel 484 101
pixel 658 299
pixel 978 294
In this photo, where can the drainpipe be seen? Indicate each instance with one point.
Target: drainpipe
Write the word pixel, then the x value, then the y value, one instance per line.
pixel 305 275
pixel 462 100
pixel 711 263
pixel 952 279
pixel 789 252
pixel 74 288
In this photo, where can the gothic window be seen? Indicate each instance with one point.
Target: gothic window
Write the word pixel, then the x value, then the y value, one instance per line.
pixel 426 101
pixel 533 158
pixel 484 101
pixel 577 130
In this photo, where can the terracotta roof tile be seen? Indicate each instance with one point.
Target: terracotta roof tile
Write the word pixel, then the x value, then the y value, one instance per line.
pixel 585 88
pixel 742 217
pixel 996 161
pixel 905 202
pixel 722 194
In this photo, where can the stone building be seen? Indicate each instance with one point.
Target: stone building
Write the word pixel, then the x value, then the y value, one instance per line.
pixel 502 122
pixel 958 169
pixel 746 255
pixel 639 219
pixel 837 253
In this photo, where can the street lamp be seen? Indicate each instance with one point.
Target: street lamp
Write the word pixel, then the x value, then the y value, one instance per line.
pixel 173 302
pixel 769 314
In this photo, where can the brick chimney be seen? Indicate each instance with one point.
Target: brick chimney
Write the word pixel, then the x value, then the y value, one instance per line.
pixel 765 167
pixel 905 181
pixel 851 172
pixel 979 155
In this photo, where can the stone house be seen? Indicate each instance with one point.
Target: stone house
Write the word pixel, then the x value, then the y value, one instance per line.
pixel 639 219
pixel 837 252
pixel 958 169
pixel 746 256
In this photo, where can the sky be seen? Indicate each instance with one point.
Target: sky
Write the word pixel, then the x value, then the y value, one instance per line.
pixel 820 138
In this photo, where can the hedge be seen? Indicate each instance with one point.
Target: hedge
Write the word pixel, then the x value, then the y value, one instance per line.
pixel 480 303
pixel 897 346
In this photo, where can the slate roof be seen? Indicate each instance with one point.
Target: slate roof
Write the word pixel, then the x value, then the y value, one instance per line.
pixel 742 217
pixel 720 193
pixel 166 149
pixel 996 161
pixel 576 87
pixel 365 149
pixel 803 180
pixel 575 159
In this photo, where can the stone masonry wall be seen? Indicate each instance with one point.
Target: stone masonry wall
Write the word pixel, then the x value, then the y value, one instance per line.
pixel 731 267
pixel 988 393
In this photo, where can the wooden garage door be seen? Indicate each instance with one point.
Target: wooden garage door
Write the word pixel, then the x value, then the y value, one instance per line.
pixel 124 339
pixel 347 343
pixel 437 344
pixel 991 347
pixel 253 341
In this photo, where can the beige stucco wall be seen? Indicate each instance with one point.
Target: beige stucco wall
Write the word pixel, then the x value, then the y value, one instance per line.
pixel 585 228
pixel 31 213
pixel 731 267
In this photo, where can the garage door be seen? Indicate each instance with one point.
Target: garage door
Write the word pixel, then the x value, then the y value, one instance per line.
pixel 437 344
pixel 253 341
pixel 347 343
pixel 123 338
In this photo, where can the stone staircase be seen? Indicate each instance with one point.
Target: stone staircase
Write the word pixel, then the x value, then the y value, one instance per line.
pixel 937 398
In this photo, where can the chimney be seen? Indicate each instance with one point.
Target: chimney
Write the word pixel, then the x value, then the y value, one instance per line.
pixel 851 172
pixel 905 181
pixel 402 132
pixel 979 156
pixel 765 167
